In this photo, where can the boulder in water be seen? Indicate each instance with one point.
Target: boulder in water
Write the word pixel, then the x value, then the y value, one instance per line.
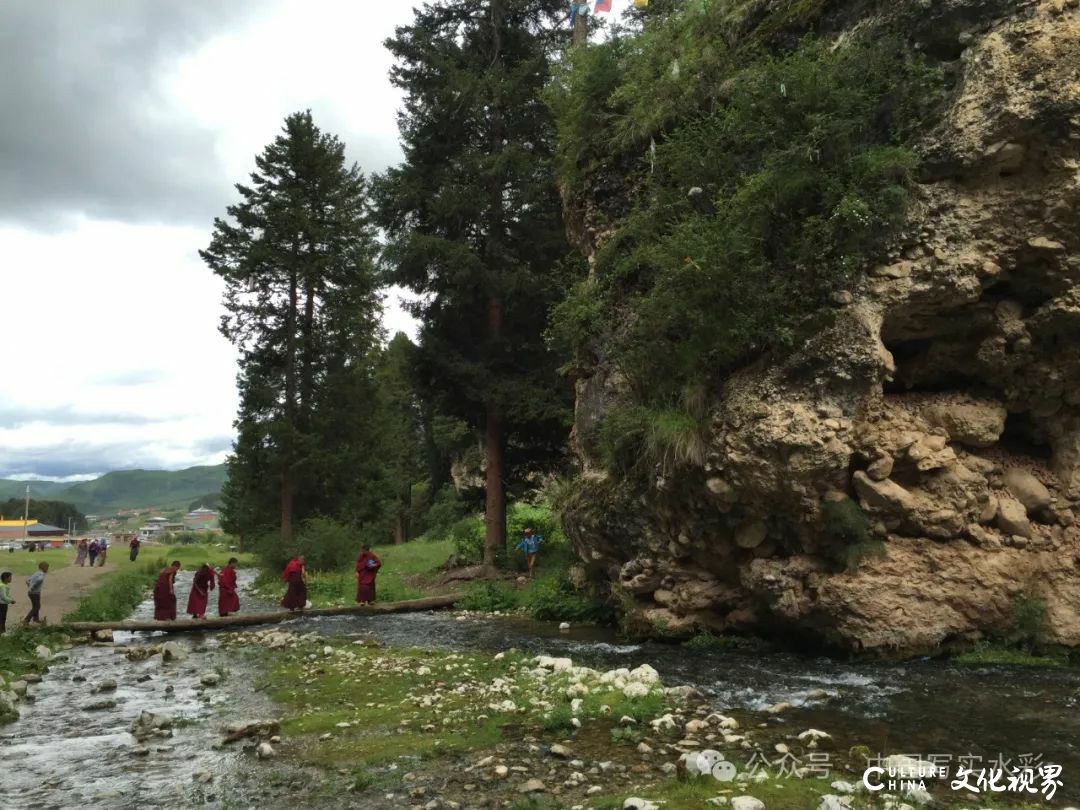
pixel 43 652
pixel 264 751
pixel 172 651
pixel 99 705
pixel 105 685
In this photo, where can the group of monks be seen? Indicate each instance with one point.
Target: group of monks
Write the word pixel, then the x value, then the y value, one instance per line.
pixel 295 575
pixel 202 583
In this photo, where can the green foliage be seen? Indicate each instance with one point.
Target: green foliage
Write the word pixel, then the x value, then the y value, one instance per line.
pixel 846 525
pixel 703 642
pixel 118 595
pixel 325 544
pixel 489 597
pixel 54 513
pixel 553 598
pixel 635 437
pixel 362 780
pixel 771 181
pixel 468 538
pixel 558 719
pixel 1029 621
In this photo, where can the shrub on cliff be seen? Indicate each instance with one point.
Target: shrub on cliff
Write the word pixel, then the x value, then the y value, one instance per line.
pixel 847 527
pixel 759 185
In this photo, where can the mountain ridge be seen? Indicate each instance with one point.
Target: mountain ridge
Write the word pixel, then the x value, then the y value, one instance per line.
pixel 125 489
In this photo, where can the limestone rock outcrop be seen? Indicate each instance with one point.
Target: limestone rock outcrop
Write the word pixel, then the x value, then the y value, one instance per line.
pixel 944 399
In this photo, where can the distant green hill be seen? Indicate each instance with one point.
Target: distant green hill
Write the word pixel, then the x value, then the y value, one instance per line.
pixel 126 489
pixel 10 488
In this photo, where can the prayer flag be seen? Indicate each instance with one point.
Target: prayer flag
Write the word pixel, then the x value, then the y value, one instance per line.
pixel 602 5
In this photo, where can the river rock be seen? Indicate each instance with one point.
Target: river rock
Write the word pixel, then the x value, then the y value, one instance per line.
pixel 32 677
pixel 99 705
pixel 645 674
pixel 19 688
pixel 561 751
pixel 636 803
pixel 831 802
pixel 776 708
pixel 172 651
pixel 747 803
pixel 210 679
pixel 103 635
pixel 532 786
pixel 635 690
pixel 264 750
pixel 814 735
pixel 43 652
pixel 564 626
pixel 105 685
pixel 501 771
pixel 840 786
pixel 8 712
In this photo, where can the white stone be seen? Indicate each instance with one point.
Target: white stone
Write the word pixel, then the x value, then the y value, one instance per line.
pixel 840 786
pixel 635 690
pixel 814 734
pixel 636 803
pixel 831 802
pixel 43 652
pixel 747 803
pixel 645 674
pixel 564 626
pixel 264 751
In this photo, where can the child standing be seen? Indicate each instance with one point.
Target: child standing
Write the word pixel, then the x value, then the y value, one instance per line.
pixel 5 598
pixel 34 585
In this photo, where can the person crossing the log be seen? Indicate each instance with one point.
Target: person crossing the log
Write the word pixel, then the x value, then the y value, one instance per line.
pixel 134 546
pixel 201 585
pixel 228 600
pixel 530 546
pixel 367 568
pixel 165 593
pixel 296 576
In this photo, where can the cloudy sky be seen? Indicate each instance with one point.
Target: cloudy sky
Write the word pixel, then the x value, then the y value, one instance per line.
pixel 124 125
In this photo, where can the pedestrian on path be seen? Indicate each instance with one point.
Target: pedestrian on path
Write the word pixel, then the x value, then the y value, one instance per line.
pixel 93 550
pixel 81 551
pixel 34 584
pixel 5 599
pixel 530 547
pixel 134 546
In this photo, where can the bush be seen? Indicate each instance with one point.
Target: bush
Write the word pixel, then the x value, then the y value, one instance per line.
pixel 553 598
pixel 325 544
pixel 1029 621
pixel 800 164
pixel 489 597
pixel 846 525
pixel 468 538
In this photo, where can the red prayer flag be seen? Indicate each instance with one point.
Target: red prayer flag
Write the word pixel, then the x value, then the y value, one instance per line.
pixel 602 5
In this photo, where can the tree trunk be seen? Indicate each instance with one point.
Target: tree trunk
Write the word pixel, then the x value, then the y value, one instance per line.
pixel 288 485
pixel 495 497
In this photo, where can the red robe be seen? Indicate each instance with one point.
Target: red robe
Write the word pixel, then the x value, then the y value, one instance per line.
pixel 367 567
pixel 296 596
pixel 164 598
pixel 228 601
pixel 201 585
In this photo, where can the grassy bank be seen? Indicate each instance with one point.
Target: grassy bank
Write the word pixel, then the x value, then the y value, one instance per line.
pixel 24 563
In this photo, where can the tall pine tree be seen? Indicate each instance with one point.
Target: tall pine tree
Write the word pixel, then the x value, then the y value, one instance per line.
pixel 475 224
pixel 297 257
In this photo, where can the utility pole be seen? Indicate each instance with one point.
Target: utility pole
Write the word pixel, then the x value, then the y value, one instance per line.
pixel 26 515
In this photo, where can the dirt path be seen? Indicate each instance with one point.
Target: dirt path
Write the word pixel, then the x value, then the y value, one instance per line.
pixel 64 589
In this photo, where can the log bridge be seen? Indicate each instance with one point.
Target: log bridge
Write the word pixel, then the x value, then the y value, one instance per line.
pixel 251 619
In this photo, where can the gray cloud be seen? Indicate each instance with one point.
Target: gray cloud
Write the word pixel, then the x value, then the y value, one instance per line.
pixel 81 128
pixel 212 445
pixel 14 417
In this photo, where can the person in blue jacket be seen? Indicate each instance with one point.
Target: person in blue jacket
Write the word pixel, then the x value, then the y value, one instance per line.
pixel 530 545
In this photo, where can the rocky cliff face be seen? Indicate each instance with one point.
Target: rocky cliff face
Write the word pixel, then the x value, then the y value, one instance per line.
pixel 944 399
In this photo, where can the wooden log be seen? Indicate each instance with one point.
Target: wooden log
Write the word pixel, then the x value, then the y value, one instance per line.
pixel 248 620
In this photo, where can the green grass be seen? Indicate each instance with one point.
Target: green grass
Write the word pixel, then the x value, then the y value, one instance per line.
pixel 23 563
pixel 996 654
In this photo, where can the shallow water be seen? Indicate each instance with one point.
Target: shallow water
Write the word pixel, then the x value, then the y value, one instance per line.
pixel 60 756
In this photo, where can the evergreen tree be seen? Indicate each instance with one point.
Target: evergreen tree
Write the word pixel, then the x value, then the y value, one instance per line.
pixel 296 255
pixel 475 224
pixel 401 429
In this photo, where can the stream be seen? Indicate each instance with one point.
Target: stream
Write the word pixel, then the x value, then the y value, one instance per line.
pixel 60 755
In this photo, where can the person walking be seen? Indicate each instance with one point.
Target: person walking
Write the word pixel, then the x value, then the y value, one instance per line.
pixel 103 549
pixel 92 551
pixel 530 546
pixel 80 553
pixel 367 568
pixel 5 599
pixel 201 585
pixel 165 593
pixel 134 546
pixel 34 585
pixel 296 596
pixel 228 600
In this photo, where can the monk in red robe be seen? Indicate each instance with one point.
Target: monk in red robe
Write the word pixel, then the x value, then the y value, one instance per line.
pixel 296 576
pixel 367 567
pixel 165 593
pixel 201 585
pixel 227 600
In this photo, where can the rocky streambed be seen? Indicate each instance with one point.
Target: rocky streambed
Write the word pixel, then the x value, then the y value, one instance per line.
pixel 442 710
